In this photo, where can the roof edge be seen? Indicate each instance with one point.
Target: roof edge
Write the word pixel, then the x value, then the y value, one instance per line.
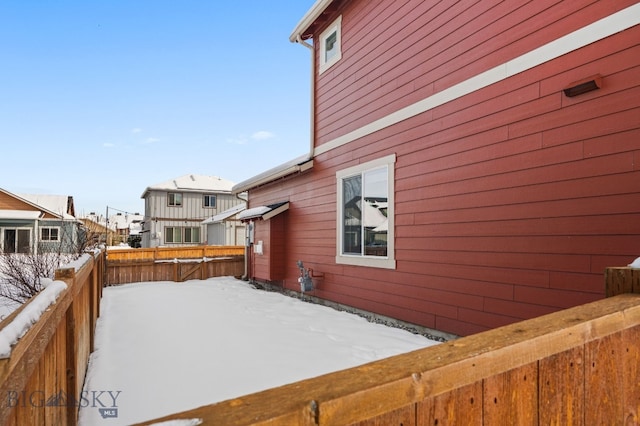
pixel 296 165
pixel 309 18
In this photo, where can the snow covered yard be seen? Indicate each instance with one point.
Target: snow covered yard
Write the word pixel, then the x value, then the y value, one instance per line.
pixel 166 347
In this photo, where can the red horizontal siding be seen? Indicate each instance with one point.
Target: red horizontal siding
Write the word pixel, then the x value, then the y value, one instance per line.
pixel 416 48
pixel 510 201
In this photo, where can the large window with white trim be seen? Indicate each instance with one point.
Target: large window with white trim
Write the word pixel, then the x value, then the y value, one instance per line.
pixel 16 240
pixel 331 45
pixel 365 214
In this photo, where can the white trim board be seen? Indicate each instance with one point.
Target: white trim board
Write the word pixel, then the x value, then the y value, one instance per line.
pixel 591 33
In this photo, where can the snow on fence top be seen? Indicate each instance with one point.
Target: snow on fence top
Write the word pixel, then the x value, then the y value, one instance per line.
pixel 31 313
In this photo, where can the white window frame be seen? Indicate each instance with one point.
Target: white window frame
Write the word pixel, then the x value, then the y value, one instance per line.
pixel 182 234
pixel 387 262
pixel 208 198
pixel 175 195
pixel 190 230
pixel 334 28
pixel 171 231
pixel 49 228
pixel 16 228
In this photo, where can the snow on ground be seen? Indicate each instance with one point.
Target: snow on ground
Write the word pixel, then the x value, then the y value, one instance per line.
pixel 166 347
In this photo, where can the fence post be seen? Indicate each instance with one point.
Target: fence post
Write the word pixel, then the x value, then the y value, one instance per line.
pixel 621 280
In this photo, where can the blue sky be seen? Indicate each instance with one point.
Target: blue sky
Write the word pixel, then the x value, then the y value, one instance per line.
pixel 100 99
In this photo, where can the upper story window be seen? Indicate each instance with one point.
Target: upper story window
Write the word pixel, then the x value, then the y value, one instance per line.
pixel 209 200
pixel 49 234
pixel 174 199
pixel 366 214
pixel 331 45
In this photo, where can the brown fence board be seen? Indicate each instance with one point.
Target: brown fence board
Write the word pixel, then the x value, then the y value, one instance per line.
pixel 603 380
pixel 631 375
pixel 561 387
pixel 512 395
pixel 462 406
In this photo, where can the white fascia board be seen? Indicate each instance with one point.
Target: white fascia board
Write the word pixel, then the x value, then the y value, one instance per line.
pixel 309 18
pixel 299 164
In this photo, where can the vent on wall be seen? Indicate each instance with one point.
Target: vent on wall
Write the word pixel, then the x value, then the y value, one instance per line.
pixel 583 86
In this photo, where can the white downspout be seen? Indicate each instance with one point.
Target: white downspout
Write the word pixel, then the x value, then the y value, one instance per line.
pixel 312 109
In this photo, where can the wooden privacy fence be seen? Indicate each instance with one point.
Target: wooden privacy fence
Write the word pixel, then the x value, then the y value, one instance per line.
pixel 41 381
pixel 580 366
pixel 173 263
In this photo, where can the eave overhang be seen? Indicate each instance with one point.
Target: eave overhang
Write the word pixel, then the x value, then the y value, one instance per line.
pixel 297 165
pixel 301 31
pixel 264 212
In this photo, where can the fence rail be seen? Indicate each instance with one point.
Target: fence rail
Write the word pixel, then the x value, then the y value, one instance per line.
pixel 577 366
pixel 41 381
pixel 173 264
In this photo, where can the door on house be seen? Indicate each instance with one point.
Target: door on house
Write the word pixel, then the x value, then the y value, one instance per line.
pixel 16 241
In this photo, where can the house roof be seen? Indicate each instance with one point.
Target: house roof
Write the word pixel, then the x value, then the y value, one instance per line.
pixel 264 212
pixel 225 214
pixel 193 183
pixel 124 221
pixel 59 205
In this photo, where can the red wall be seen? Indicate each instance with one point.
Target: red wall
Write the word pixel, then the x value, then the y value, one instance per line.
pixel 509 201
pixel 269 266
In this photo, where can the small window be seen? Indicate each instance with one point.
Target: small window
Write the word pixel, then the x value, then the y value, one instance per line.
pixel 330 45
pixel 174 199
pixel 209 201
pixel 49 234
pixel 366 214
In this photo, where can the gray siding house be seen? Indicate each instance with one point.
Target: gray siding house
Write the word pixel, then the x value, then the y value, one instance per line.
pixel 36 224
pixel 174 211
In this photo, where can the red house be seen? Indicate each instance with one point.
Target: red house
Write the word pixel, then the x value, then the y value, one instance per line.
pixel 472 164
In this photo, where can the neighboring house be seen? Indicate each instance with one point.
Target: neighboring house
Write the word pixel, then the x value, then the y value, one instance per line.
pixel 175 210
pixel 126 225
pixel 38 224
pixel 499 140
pixel 97 231
pixel 121 227
pixel 225 229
